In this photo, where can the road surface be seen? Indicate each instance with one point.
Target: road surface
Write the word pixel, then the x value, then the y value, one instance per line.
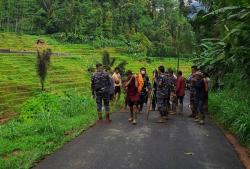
pixel 178 144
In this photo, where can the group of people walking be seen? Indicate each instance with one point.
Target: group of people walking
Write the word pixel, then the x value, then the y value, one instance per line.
pixel 165 95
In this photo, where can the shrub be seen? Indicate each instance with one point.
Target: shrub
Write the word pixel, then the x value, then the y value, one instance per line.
pixel 75 104
pixel 104 42
pixel 70 37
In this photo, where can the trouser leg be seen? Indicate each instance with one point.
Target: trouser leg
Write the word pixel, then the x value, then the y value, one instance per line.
pixel 180 98
pixel 99 105
pixel 154 102
pixel 106 104
pixel 174 103
pixel 162 106
pixel 99 102
pixel 165 107
pixel 168 103
pixel 193 105
pixel 141 102
pixel 201 112
pixel 134 112
pixel 201 109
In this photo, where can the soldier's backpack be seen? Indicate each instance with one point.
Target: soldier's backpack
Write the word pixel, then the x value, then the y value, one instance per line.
pixel 139 82
pixel 101 82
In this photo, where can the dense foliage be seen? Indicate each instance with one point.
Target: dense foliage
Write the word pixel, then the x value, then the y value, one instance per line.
pixel 225 47
pixel 152 27
pixel 222 32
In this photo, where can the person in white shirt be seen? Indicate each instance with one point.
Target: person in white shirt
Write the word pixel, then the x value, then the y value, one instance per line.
pixel 118 83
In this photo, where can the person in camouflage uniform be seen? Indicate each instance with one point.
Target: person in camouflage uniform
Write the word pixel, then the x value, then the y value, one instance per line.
pixel 145 89
pixel 100 85
pixel 192 81
pixel 162 94
pixel 172 95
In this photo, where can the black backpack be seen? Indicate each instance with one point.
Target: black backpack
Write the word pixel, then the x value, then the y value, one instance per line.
pixel 101 82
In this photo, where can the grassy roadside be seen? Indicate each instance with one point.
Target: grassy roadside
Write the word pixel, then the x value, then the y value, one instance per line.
pixel 46 122
pixel 230 107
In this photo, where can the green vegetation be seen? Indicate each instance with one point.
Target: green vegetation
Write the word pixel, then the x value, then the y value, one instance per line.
pixel 46 122
pixel 142 27
pixel 23 42
pixel 231 107
pixel 18 77
pixel 141 33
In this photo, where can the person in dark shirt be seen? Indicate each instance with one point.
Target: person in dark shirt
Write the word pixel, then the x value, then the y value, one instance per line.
pixel 145 89
pixel 191 82
pixel 207 84
pixel 200 97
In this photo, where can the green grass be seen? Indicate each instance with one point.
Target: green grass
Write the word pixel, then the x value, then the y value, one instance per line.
pixel 230 107
pixel 18 77
pixel 136 63
pixel 37 130
pixel 46 122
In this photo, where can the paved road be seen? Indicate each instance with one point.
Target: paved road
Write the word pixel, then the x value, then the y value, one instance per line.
pixel 179 144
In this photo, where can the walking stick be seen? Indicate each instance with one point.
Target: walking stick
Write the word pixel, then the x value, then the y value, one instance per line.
pixel 150 102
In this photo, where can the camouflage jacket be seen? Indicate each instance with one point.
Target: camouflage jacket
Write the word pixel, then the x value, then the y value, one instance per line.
pixel 172 83
pixel 100 82
pixel 163 86
pixel 192 84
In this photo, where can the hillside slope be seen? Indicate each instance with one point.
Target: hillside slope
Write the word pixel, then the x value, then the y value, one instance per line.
pixel 19 81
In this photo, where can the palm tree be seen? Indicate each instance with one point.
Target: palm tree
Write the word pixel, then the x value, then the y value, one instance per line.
pixel 107 61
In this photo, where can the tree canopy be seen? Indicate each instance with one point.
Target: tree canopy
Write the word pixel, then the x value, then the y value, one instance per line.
pixel 142 26
pixel 222 36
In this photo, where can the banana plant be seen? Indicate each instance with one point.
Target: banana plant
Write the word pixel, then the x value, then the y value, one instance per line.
pixel 230 50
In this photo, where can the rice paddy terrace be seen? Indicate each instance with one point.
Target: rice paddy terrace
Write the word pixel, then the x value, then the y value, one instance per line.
pixel 67 71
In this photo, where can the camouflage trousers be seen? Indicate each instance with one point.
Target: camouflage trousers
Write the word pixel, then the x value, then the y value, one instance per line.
pixel 199 104
pixel 174 101
pixel 102 98
pixel 162 105
pixel 193 104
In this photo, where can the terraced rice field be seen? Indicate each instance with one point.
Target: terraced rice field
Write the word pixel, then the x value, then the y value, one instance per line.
pixel 18 77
